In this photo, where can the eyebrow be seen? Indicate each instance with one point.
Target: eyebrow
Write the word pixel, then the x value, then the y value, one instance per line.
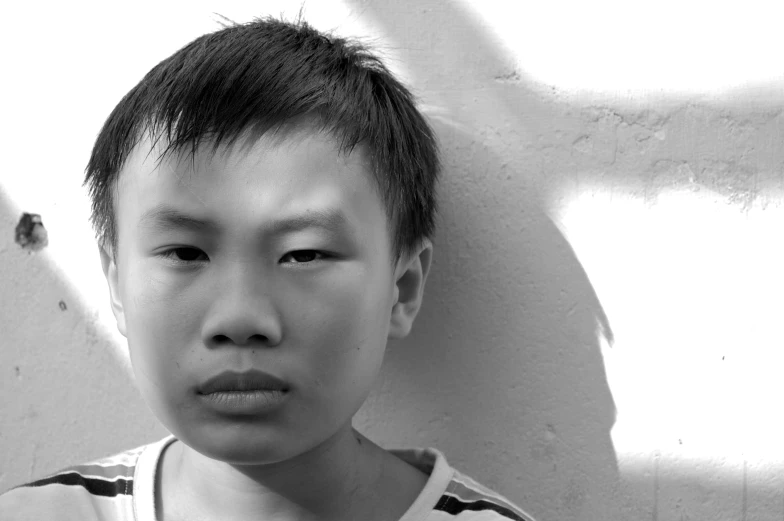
pixel 163 218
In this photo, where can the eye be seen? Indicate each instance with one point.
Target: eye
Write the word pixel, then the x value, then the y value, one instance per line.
pixel 185 254
pixel 303 256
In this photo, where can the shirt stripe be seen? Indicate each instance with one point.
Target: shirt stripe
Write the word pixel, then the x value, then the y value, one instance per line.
pixel 454 506
pixel 95 486
pixel 467 490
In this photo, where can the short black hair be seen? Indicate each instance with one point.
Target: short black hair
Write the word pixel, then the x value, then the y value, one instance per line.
pixel 261 76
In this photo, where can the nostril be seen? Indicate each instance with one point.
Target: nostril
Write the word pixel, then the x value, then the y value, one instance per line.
pixel 253 339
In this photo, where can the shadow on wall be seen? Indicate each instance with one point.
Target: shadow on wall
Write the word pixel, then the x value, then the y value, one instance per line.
pixel 504 368
pixel 511 326
pixel 66 399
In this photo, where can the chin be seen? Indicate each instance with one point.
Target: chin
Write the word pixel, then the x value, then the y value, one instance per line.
pixel 238 446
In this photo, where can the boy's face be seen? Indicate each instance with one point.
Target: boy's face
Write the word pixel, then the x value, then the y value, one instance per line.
pixel 272 257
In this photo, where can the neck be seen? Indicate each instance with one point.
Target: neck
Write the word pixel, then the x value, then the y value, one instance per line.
pixel 335 480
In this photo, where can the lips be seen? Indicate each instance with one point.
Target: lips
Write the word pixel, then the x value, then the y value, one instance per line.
pixel 245 382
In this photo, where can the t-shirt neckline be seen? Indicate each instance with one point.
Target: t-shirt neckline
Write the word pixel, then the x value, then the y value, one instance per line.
pixel 428 460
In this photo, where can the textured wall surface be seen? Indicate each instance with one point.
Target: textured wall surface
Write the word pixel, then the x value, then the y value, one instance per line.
pixel 601 337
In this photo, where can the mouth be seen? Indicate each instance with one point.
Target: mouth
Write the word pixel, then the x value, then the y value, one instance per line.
pixel 252 381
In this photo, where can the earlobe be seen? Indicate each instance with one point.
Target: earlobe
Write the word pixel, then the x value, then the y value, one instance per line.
pixel 110 272
pixel 410 278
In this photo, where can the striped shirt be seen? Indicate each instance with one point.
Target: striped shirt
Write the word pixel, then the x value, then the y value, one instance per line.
pixel 121 488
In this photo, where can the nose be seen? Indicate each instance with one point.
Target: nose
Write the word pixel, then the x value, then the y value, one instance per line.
pixel 242 312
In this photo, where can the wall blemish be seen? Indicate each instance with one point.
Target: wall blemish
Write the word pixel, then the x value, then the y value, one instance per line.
pixel 30 232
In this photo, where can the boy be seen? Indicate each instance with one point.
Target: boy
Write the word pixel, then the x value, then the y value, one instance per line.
pixel 264 201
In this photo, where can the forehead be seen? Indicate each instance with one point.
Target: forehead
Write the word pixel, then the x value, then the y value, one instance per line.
pixel 256 179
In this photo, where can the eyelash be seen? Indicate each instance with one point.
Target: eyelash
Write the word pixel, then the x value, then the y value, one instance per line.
pixel 320 255
pixel 171 255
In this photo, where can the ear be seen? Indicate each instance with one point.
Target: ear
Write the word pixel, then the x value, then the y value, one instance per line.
pixel 109 266
pixel 410 276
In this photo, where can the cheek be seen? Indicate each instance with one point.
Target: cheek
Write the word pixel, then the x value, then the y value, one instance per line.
pixel 156 302
pixel 157 344
pixel 158 326
pixel 351 333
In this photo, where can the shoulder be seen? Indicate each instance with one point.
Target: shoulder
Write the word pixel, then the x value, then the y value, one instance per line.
pixel 464 499
pixel 98 490
pixel 450 495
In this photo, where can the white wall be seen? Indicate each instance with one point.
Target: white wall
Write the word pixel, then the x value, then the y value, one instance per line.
pixel 602 335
